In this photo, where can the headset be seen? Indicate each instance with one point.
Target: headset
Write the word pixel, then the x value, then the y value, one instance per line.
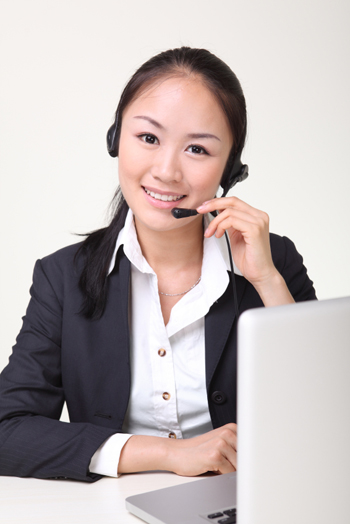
pixel 234 172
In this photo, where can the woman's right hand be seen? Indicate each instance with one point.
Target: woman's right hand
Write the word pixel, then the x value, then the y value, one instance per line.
pixel 213 451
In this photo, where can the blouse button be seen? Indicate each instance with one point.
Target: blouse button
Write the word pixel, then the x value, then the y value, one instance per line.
pixel 171 435
pixel 161 352
pixel 166 395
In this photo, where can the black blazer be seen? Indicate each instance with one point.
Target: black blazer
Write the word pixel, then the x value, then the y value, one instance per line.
pixel 61 356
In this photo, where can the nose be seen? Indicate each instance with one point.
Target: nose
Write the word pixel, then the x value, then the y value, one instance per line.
pixel 166 166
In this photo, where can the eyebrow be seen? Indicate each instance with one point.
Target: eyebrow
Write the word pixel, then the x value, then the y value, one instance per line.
pixel 190 135
pixel 151 121
pixel 203 135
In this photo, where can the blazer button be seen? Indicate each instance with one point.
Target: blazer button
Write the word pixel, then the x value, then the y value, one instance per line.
pixel 218 397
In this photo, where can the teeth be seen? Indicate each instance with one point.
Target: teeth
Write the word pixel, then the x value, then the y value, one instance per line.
pixel 165 198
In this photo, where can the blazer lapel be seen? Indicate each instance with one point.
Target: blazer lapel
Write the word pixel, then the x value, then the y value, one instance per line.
pixel 218 324
pixel 114 329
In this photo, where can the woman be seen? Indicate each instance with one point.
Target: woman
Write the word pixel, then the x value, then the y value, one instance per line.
pixel 136 327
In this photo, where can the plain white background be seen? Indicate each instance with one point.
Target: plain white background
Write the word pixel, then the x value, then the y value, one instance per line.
pixel 63 66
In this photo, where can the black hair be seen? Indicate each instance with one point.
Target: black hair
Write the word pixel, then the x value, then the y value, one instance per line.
pixel 223 83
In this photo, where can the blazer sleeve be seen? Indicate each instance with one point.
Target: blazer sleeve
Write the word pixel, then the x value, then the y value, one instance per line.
pixel 33 442
pixel 291 266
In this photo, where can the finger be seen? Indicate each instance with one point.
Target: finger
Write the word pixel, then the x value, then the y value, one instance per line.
pixel 234 216
pixel 229 432
pixel 226 202
pixel 223 438
pixel 230 454
pixel 232 426
pixel 225 467
pixel 223 458
pixel 231 461
pixel 248 226
pixel 228 467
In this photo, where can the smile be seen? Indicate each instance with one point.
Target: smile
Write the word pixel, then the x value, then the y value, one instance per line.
pixel 164 198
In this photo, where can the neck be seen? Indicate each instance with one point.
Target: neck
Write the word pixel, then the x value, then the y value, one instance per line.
pixel 174 249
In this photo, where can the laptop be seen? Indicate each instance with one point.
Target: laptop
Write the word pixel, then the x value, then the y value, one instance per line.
pixel 293 427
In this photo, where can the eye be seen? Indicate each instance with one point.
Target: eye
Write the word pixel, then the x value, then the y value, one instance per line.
pixel 149 138
pixel 197 150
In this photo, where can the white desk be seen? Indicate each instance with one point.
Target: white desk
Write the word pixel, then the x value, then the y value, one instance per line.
pixel 33 501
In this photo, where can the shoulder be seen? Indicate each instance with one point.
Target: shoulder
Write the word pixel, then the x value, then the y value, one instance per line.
pixel 58 272
pixel 62 260
pixel 63 255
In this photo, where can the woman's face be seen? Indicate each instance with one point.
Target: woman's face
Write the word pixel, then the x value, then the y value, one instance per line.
pixel 174 144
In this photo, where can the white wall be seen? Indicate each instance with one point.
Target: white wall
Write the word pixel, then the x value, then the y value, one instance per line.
pixel 63 65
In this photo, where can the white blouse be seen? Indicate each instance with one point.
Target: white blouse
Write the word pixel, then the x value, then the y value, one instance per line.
pixel 168 395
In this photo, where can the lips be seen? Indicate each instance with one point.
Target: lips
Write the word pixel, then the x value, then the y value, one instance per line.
pixel 163 196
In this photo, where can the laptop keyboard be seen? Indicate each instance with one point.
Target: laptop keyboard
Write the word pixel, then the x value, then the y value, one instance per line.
pixel 226 516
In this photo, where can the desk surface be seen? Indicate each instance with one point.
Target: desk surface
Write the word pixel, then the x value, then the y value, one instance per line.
pixel 33 501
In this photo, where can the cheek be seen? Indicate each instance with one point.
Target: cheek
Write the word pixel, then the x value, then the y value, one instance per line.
pixel 132 164
pixel 207 181
pixel 128 169
pixel 127 181
pixel 123 175
pixel 126 160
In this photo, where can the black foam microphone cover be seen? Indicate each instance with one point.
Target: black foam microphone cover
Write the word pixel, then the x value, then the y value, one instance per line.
pixel 179 212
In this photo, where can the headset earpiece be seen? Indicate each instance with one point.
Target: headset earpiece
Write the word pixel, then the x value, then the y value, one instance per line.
pixel 113 138
pixel 237 173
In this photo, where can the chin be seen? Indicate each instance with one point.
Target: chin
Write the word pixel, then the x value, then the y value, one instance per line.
pixel 161 220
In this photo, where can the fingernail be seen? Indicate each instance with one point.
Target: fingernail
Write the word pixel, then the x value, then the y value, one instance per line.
pixel 202 206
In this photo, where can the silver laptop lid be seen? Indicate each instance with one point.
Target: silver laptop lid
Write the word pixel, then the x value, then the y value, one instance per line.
pixel 294 414
pixel 199 502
